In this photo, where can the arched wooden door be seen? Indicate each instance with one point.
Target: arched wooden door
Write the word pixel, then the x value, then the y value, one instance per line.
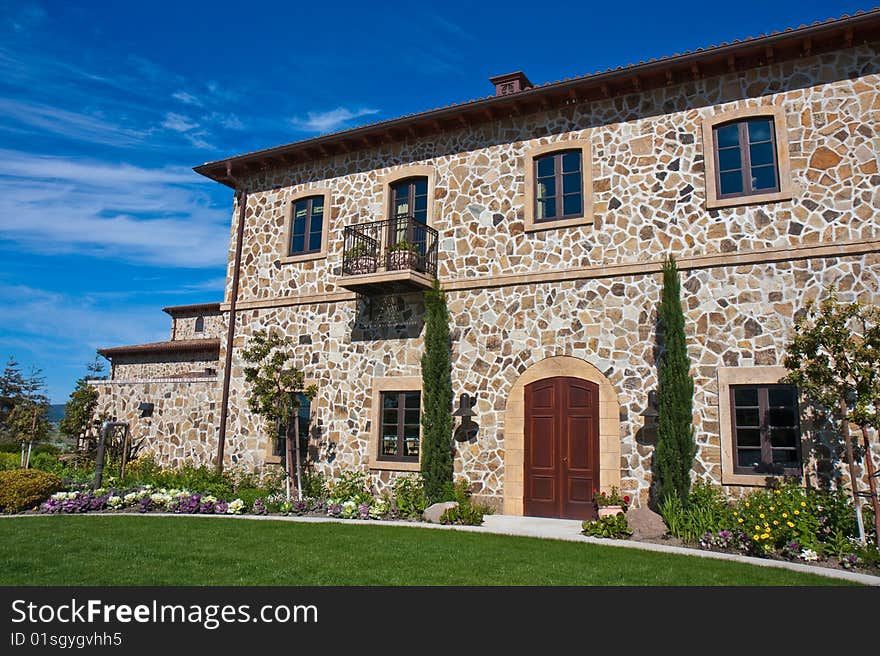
pixel 561 448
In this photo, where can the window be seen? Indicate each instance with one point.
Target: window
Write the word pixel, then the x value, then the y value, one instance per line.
pixel 558 185
pixel 746 157
pixel 559 192
pixel 409 199
pixel 200 324
pixel 400 424
pixel 766 429
pixel 303 416
pixel 307 228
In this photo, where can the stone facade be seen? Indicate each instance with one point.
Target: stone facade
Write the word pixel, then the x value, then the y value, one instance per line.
pixel 164 365
pixel 585 293
pixel 183 326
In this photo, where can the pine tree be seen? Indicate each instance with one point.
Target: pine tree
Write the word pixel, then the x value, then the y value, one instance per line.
pixel 11 387
pixel 436 397
pixel 676 449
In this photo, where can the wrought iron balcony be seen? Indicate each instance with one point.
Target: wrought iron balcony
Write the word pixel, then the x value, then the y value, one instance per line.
pixel 394 255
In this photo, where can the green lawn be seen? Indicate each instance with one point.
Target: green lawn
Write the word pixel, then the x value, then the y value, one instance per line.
pixel 134 550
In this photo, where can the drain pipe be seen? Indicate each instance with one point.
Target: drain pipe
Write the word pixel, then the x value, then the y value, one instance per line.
pixel 241 196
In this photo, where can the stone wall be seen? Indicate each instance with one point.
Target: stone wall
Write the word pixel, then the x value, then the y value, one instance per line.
pixel 183 427
pixel 183 326
pixel 161 365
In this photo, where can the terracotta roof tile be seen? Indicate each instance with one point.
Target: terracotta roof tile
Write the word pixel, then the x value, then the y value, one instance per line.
pixel 174 346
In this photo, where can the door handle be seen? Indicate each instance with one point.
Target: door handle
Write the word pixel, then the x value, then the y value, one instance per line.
pixel 564 458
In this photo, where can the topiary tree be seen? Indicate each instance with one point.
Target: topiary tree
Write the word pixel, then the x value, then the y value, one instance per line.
pixel 676 449
pixel 275 386
pixel 834 359
pixel 436 397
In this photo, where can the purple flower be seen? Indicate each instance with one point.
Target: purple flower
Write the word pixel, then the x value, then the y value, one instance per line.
pixel 221 507
pixel 364 511
pixel 206 507
pixel 99 503
pixel 334 509
pixel 51 506
pixel 259 508
pixel 145 505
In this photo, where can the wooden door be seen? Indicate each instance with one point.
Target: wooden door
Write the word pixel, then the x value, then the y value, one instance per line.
pixel 561 448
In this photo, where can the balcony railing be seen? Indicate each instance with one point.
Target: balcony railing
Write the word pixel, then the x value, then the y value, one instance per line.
pixel 389 251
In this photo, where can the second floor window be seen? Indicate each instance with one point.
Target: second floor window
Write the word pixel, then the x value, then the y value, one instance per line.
pixel 308 226
pixel 558 186
pixel 745 158
pixel 200 324
pixel 409 198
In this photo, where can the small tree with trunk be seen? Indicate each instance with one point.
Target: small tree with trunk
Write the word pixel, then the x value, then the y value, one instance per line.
pixel 834 359
pixel 29 419
pixel 79 419
pixel 11 386
pixel 436 396
pixel 275 386
pixel 676 449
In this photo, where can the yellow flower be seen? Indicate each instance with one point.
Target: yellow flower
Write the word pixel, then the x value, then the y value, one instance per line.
pixel 757 528
pixel 747 504
pixel 756 537
pixel 772 508
pixel 777 492
pixel 797 512
pixel 765 536
pixel 803 504
pixel 761 515
pixel 790 525
pixel 740 520
pixel 784 515
pixel 735 513
pixel 775 522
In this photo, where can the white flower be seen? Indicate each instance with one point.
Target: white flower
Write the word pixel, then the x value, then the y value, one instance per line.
pixel 114 501
pixel 131 498
pixel 236 507
pixel 809 555
pixel 209 499
pixel 160 499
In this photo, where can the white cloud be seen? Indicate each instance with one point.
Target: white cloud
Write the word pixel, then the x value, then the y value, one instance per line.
pixel 178 122
pixel 329 120
pixel 161 217
pixel 186 98
pixel 226 121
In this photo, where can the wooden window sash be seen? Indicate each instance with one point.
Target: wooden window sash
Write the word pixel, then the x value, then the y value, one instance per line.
pixel 766 443
pixel 308 227
pixel 557 185
pixel 745 158
pixel 401 436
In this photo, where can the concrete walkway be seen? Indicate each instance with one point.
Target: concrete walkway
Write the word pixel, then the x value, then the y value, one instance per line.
pixel 532 527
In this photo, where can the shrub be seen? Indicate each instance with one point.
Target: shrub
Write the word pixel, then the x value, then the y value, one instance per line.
pixel 466 514
pixel 9 461
pixel 409 496
pixel 314 483
pixel 610 526
pixel 23 489
pixel 707 512
pixel 350 486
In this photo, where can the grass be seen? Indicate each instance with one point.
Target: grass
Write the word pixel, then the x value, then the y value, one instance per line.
pixel 135 550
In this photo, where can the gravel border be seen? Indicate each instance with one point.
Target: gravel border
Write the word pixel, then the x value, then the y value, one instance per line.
pixel 555 530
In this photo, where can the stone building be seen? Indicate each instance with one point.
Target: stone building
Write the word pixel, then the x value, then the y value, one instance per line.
pixel 546 212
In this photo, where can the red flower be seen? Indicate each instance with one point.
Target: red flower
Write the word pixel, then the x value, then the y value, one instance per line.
pixel 626 499
pixel 603 494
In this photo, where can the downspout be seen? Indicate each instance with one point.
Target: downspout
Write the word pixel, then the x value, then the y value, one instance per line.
pixel 241 196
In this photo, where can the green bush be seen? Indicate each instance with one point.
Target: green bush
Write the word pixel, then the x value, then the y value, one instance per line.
pixel 466 514
pixel 707 511
pixel 22 489
pixel 314 484
pixel 350 486
pixel 9 461
pixel 409 495
pixel 610 526
pixel 202 479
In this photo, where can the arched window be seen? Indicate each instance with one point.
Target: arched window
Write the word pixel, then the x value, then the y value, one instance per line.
pixel 559 192
pixel 409 199
pixel 200 324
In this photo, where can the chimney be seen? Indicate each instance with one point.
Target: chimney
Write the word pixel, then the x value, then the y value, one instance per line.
pixel 510 83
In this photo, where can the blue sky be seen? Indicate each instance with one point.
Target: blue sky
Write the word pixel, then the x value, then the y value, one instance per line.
pixel 106 106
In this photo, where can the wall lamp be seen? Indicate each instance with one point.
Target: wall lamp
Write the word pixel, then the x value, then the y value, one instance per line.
pixel 650 414
pixel 467 429
pixel 146 409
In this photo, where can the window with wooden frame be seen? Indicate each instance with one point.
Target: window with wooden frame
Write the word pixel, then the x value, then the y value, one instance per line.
pixel 409 199
pixel 765 429
pixel 307 226
pixel 399 438
pixel 558 185
pixel 746 157
pixel 200 325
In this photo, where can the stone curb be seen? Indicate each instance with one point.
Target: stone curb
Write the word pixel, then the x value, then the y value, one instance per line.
pixel 864 579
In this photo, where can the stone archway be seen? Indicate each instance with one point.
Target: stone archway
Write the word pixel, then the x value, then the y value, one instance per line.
pixel 514 426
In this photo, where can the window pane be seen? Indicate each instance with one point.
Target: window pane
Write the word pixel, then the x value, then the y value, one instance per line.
pixel 761 153
pixel 315 241
pixel 412 400
pixel 760 129
pixel 571 183
pixel 389 400
pixel 782 395
pixel 301 208
pixel 546 187
pixel 571 204
pixel 729 159
pixel 745 396
pixel 747 417
pixel 784 437
pixel 546 208
pixel 748 437
pixel 731 183
pixel 411 417
pixel 748 457
pixel 727 136
pixel 317 205
pixel 299 225
pixel 421 203
pixel 389 444
pixel 389 417
pixel 545 166
pixel 785 456
pixel 783 417
pixel 411 446
pixel 571 162
pixel 297 244
pixel 763 178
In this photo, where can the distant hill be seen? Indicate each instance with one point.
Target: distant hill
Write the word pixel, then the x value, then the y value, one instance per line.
pixel 56 412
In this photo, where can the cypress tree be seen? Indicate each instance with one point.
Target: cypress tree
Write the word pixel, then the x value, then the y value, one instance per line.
pixel 676 449
pixel 436 396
